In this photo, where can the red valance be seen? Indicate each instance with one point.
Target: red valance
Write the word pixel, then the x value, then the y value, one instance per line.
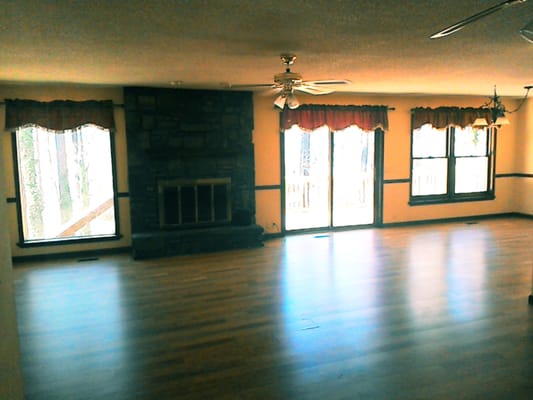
pixel 59 115
pixel 313 116
pixel 442 117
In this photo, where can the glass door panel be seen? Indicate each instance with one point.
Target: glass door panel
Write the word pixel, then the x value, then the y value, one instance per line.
pixel 353 177
pixel 307 178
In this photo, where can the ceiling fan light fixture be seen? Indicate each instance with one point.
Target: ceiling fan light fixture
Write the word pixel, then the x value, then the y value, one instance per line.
pixel 527 32
pixel 292 101
pixel 280 101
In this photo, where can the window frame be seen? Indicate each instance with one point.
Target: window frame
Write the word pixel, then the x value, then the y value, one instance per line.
pixel 450 196
pixel 24 243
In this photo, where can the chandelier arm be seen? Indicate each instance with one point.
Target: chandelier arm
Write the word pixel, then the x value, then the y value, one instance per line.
pixel 522 101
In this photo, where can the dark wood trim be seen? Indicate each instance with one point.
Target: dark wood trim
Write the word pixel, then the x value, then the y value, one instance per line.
pixel 522 215
pixel 119 195
pixel 490 150
pixel 447 200
pixel 393 181
pixel 80 255
pixel 282 176
pixel 17 184
pixel 530 300
pixel 379 170
pixel 451 160
pixel 115 183
pixel 69 241
pixel 268 187
pixel 510 175
pixel 514 175
pixel 332 155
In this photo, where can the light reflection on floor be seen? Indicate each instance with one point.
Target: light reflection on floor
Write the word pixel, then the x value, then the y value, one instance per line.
pixel 331 304
pixel 327 279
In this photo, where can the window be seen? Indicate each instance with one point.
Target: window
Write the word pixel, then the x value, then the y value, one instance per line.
pixel 451 164
pixel 65 184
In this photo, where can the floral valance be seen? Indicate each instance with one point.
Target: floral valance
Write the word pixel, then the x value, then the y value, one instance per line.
pixel 313 116
pixel 59 115
pixel 442 117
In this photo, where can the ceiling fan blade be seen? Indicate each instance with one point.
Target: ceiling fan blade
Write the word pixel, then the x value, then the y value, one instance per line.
pixel 329 82
pixel 253 85
pixel 461 24
pixel 306 88
pixel 527 32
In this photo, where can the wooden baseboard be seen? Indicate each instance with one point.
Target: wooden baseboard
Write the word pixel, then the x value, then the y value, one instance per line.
pixel 80 255
pixel 276 235
pixel 465 219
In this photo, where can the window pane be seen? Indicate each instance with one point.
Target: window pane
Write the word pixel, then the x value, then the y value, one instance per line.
pixel 470 142
pixel 204 203
pixel 471 174
pixel 429 142
pixel 188 204
pixel 353 177
pixel 306 178
pixel 65 183
pixel 429 176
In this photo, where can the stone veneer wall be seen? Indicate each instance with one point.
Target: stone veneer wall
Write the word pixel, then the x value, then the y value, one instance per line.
pixel 187 134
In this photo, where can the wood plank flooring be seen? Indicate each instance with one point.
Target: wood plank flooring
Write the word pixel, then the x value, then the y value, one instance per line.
pixel 428 312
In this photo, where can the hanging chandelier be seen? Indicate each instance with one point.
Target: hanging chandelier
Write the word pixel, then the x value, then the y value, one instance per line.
pixel 498 111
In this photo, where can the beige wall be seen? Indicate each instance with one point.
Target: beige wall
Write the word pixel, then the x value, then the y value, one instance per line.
pixel 524 158
pixel 10 374
pixel 397 159
pixel 515 146
pixel 78 93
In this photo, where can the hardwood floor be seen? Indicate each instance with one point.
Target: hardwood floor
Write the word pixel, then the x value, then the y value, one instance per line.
pixel 427 312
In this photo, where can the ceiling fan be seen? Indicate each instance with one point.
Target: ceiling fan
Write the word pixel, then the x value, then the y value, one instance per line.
pixel 287 82
pixel 526 32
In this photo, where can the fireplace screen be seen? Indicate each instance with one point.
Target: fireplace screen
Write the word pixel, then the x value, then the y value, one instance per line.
pixel 194 202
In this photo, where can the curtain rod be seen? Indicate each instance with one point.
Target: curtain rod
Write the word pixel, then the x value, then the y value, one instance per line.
pixel 118 105
pixel 3 103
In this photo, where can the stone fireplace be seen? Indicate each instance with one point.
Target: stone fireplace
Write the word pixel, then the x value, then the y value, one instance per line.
pixel 191 171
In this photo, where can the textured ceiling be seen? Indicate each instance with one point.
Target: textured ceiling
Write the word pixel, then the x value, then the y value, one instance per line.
pixel 381 46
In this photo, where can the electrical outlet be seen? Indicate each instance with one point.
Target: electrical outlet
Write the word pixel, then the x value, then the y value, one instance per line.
pixel 272 228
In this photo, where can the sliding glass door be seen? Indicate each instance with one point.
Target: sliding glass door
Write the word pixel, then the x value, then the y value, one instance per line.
pixel 329 178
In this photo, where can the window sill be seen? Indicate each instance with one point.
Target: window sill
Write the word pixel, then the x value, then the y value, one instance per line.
pixel 441 200
pixel 69 241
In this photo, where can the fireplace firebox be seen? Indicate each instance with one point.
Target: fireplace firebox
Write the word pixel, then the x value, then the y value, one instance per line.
pixel 198 202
